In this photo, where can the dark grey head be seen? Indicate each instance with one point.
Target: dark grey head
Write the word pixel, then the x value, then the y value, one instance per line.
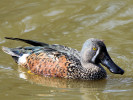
pixel 94 51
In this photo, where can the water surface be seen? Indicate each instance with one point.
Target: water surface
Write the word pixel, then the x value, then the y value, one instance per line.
pixel 70 23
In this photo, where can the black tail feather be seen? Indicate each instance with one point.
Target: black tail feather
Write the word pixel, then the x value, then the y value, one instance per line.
pixel 34 43
pixel 15 58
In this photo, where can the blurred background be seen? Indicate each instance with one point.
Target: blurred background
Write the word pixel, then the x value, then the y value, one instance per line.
pixel 69 23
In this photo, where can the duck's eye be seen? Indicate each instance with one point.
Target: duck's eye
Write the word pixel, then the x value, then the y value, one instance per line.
pixel 94 48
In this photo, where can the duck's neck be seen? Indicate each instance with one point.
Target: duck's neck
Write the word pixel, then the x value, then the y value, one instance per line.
pixel 94 71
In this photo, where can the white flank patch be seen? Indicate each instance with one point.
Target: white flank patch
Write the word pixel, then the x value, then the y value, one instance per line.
pixel 22 59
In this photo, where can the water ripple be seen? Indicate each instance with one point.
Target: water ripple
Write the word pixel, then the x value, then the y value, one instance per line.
pixel 7 68
pixel 115 91
pixel 53 13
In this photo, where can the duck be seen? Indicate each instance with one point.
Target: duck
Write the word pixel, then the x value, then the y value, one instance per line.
pixel 54 60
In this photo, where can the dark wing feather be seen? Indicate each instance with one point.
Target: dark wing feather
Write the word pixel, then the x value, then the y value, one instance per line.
pixel 34 43
pixel 60 48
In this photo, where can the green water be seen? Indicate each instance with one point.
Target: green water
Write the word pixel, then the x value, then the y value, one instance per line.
pixel 70 23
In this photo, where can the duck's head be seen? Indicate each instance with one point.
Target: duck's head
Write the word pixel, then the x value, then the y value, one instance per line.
pixel 94 51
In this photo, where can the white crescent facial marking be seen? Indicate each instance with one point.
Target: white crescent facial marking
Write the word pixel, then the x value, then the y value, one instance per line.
pixel 94 57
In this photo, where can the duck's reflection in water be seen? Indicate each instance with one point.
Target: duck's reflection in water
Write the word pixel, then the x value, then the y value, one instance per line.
pixel 61 82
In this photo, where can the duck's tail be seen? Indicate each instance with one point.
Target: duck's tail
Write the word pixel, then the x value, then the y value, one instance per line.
pixel 14 53
pixel 17 53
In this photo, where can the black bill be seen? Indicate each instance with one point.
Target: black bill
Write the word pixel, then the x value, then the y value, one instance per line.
pixel 107 61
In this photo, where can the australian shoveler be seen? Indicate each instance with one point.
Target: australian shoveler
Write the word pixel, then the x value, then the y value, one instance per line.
pixel 61 61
